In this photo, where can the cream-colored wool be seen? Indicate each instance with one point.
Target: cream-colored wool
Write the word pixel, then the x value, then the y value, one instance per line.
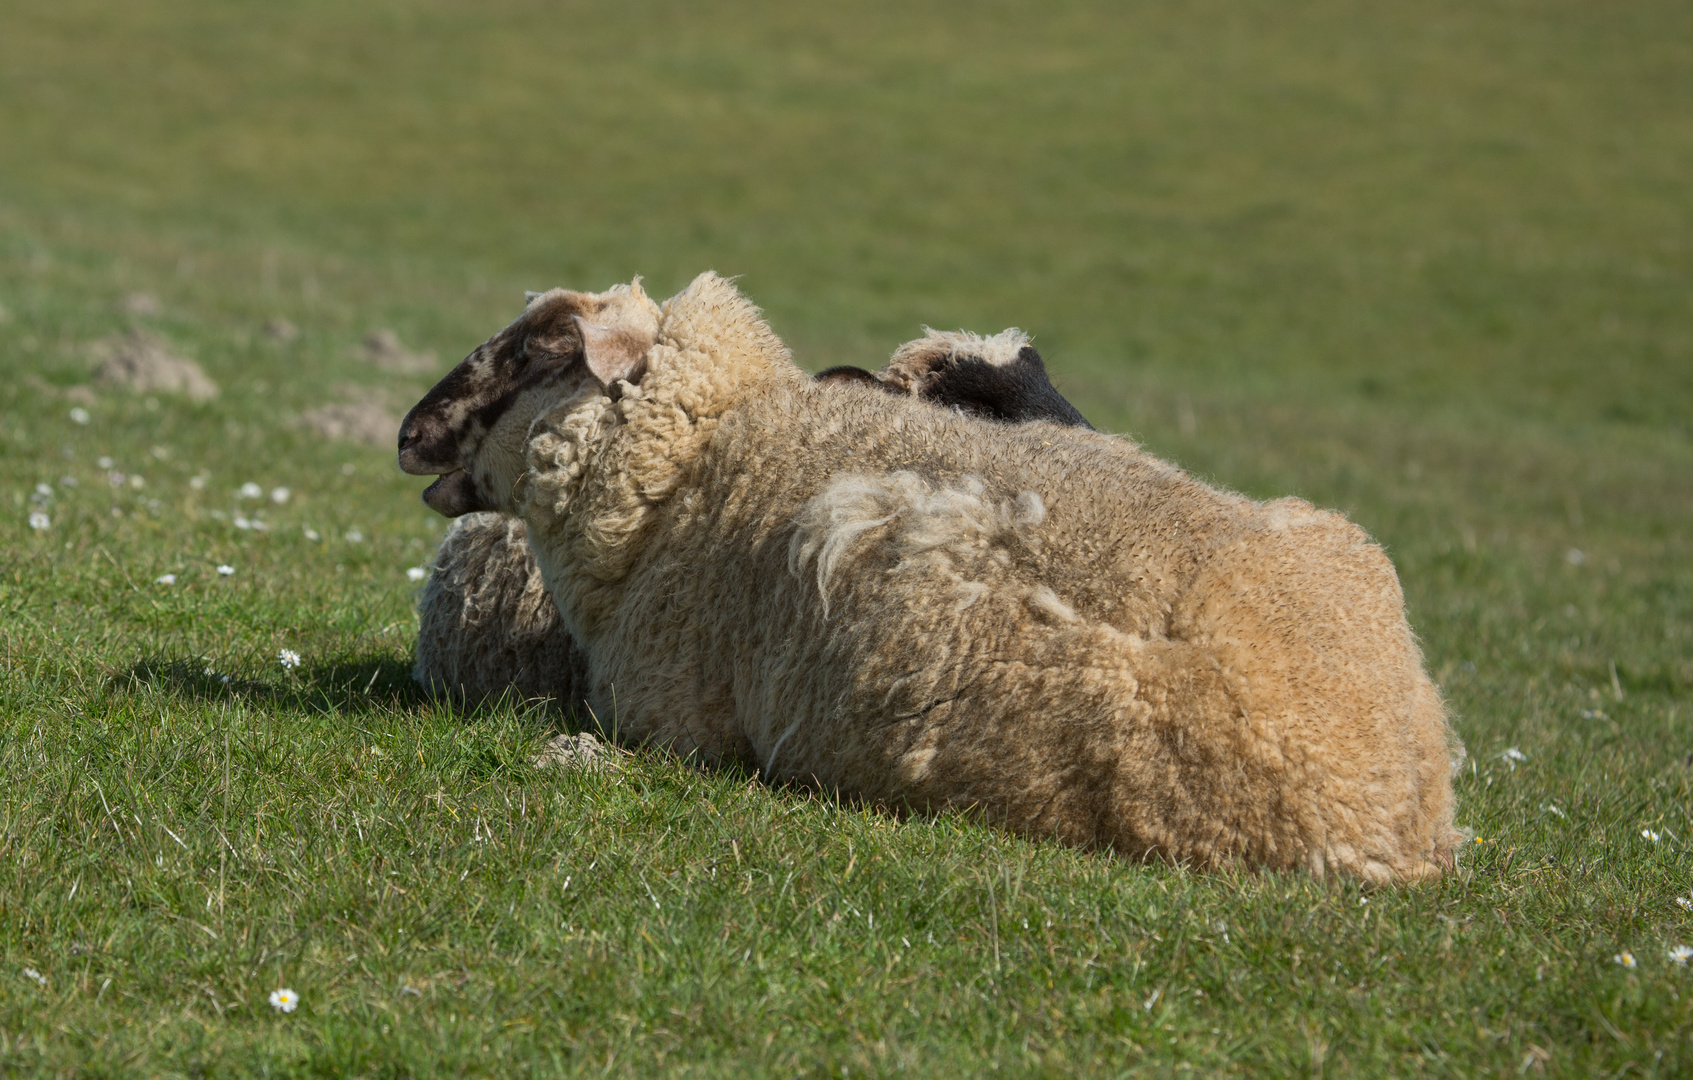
pixel 1047 624
pixel 487 625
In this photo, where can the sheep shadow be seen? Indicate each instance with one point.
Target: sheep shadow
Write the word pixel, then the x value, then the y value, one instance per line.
pixel 356 684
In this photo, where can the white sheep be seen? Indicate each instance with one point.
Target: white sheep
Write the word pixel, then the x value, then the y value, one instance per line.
pixel 1049 626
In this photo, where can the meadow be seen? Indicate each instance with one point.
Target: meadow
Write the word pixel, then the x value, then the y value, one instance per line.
pixel 1427 263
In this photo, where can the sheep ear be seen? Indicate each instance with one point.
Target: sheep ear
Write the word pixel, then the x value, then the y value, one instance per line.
pixel 612 355
pixel 529 296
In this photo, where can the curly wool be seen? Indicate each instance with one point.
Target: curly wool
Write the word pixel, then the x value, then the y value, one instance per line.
pixel 1042 623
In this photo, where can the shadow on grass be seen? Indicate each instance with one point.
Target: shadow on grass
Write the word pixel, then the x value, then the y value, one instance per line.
pixel 357 684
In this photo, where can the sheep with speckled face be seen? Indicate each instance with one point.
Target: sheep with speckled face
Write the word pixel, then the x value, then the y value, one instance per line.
pixel 1078 640
pixel 487 627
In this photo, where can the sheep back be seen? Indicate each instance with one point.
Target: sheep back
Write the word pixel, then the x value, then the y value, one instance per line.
pixel 487 625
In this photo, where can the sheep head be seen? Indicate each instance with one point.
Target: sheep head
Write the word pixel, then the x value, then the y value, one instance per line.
pixel 998 378
pixel 471 428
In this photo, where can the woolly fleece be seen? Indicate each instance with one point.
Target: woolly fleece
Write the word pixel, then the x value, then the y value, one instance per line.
pixel 1042 623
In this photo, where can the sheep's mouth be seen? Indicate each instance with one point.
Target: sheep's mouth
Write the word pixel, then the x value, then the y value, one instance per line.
pixel 454 494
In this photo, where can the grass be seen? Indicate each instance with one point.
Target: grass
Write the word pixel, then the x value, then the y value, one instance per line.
pixel 1429 264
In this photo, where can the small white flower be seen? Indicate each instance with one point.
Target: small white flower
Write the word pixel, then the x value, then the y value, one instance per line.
pixel 105 462
pixel 39 521
pixel 198 483
pixel 1686 902
pixel 44 490
pixel 242 523
pixel 354 536
pixel 311 534
pixel 416 573
pixel 1650 834
pixel 1513 755
pixel 279 495
pixel 35 976
pixel 1681 954
pixel 225 570
pixel 1363 901
pixel 165 579
pixel 250 490
pixel 1625 958
pixel 137 482
pixel 1552 808
pixel 79 415
pixel 224 679
pixel 284 1000
pixel 1575 556
pixel 288 658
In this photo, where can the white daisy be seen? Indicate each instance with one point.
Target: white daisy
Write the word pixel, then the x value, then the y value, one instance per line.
pixel 284 1000
pixel 1575 556
pixel 354 536
pixel 198 483
pixel 79 415
pixel 1625 958
pixel 165 579
pixel 225 570
pixel 311 533
pixel 1681 954
pixel 288 658
pixel 35 976
pixel 1686 902
pixel 105 462
pixel 250 490
pixel 39 521
pixel 279 495
pixel 44 490
pixel 1650 834
pixel 416 573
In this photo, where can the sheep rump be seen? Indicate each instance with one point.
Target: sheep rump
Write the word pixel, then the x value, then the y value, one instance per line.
pixel 1045 623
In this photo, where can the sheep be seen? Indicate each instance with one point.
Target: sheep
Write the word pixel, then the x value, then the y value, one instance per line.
pixel 1049 626
pixel 488 627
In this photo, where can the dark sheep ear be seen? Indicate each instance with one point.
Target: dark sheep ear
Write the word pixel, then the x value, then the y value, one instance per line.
pixel 836 376
pixel 612 355
pixel 529 296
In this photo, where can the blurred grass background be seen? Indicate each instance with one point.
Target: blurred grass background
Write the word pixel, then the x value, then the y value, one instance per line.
pixel 1430 263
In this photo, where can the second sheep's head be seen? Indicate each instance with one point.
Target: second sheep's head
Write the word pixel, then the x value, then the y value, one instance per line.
pixel 471 428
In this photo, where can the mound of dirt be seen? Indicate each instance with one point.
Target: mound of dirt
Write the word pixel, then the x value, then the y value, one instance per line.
pixel 383 350
pixel 142 363
pixel 362 415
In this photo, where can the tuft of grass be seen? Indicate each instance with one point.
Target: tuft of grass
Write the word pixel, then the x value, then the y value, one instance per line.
pixel 1427 265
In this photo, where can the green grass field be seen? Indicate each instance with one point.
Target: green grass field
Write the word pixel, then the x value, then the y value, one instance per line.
pixel 1430 263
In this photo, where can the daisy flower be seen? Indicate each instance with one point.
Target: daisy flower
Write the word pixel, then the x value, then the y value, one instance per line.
pixel 1513 755
pixel 165 579
pixel 1681 954
pixel 79 415
pixel 250 490
pixel 1650 834
pixel 289 659
pixel 35 976
pixel 225 570
pixel 284 1000
pixel 416 573
pixel 279 495
pixel 1625 958
pixel 39 521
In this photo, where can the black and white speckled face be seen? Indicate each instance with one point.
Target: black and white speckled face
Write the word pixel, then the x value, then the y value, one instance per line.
pixel 471 428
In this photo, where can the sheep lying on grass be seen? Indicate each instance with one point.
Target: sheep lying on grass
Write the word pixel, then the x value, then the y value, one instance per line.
pixel 838 586
pixel 487 625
